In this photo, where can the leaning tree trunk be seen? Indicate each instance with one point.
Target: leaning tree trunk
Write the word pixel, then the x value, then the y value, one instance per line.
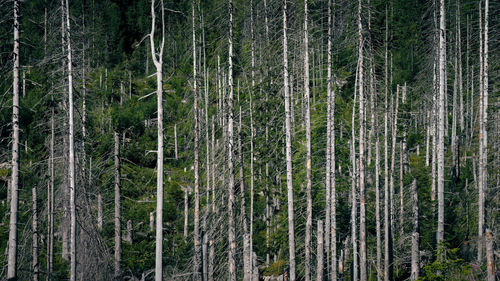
pixel 14 197
pixel 288 146
pixel 158 62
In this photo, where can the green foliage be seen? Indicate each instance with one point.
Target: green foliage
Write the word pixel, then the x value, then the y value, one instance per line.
pixel 448 266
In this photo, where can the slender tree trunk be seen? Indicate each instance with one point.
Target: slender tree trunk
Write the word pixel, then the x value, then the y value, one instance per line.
pixel 252 263
pixel 388 255
pixel 231 202
pixel 319 252
pixel 72 186
pixel 36 266
pixel 490 257
pixel 377 206
pixel 308 151
pixel 354 208
pixel 175 142
pixel 99 211
pixel 247 273
pixel 441 125
pixel 196 231
pixel 288 130
pixel 118 231
pixel 415 237
pixel 50 196
pixel 331 133
pixel 14 186
pixel 362 192
pixel 158 62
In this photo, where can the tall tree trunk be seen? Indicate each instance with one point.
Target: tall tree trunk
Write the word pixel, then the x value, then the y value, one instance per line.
pixel 50 196
pixel 36 266
pixel 308 151
pixel 331 133
pixel 490 257
pixel 252 264
pixel 362 192
pixel 441 125
pixel 377 206
pixel 415 236
pixel 319 252
pixel 118 231
pixel 14 186
pixel 388 254
pixel 196 231
pixel 230 164
pixel 72 193
pixel 288 131
pixel 247 273
pixel 354 208
pixel 158 62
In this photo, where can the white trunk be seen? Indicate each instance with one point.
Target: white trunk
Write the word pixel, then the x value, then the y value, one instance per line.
pixel 377 207
pixel 331 133
pixel 353 172
pixel 196 231
pixel 388 255
pixel 14 197
pixel 319 252
pixel 441 125
pixel 158 62
pixel 362 191
pixel 230 164
pixel 307 122
pixel 175 142
pixel 253 262
pixel 415 236
pixel 118 231
pixel 72 193
pixel 288 131
pixel 247 272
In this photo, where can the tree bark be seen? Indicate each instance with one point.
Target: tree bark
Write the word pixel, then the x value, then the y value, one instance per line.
pixel 72 187
pixel 14 186
pixel 230 142
pixel 319 252
pixel 118 231
pixel 441 125
pixel 388 254
pixel 158 62
pixel 415 237
pixel 288 146
pixel 490 258
pixel 196 231
pixel 307 122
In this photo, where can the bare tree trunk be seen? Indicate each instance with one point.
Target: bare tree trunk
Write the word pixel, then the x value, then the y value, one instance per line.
pixel 118 231
pixel 71 153
pixel 231 202
pixel 158 62
pixel 14 197
pixel 252 261
pixel 441 121
pixel 362 192
pixel 319 252
pixel 377 207
pixel 307 122
pixel 481 203
pixel 196 231
pixel 415 237
pixel 99 211
pixel 175 141
pixel 288 130
pixel 388 254
pixel 247 273
pixel 490 258
pixel 355 267
pixel 331 133
pixel 50 197
pixel 36 266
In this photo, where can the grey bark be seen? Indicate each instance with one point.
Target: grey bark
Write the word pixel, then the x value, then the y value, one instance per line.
pixel 441 125
pixel 307 122
pixel 118 231
pixel 319 252
pixel 157 58
pixel 415 236
pixel 288 146
pixel 14 186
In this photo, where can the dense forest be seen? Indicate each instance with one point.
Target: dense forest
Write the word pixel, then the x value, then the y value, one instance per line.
pixel 249 140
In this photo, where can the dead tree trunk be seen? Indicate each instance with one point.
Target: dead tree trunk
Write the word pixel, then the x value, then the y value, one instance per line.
pixel 14 186
pixel 157 57
pixel 415 237
pixel 118 231
pixel 288 146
